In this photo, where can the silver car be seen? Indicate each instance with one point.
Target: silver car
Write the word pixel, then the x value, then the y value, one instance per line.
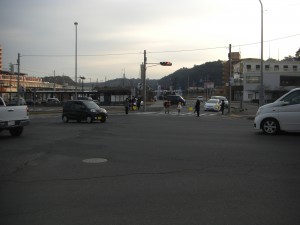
pixel 221 98
pixel 212 105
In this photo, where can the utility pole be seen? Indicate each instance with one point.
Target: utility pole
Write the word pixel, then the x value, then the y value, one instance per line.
pixel 76 24
pixel 143 67
pixel 229 82
pixel 18 84
pixel 261 90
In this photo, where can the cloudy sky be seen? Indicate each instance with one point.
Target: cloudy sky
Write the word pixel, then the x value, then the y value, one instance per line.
pixel 112 34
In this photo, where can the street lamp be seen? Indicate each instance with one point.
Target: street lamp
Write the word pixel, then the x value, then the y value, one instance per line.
pixel 261 90
pixel 75 60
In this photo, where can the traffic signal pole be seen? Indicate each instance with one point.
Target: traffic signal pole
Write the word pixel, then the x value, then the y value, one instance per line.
pixel 143 75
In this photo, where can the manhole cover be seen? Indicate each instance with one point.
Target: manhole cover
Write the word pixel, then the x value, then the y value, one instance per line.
pixel 95 160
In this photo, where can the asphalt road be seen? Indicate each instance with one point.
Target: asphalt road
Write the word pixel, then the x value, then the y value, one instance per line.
pixel 149 168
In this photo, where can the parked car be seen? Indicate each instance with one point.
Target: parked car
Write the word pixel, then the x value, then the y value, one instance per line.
pixel 13 118
pixel 85 98
pixel 175 99
pixel 52 101
pixel 83 110
pixel 221 98
pixel 283 114
pixel 14 101
pixel 212 105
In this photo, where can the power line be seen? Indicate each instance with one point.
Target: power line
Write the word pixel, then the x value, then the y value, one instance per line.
pixel 167 51
pixel 95 55
pixel 276 39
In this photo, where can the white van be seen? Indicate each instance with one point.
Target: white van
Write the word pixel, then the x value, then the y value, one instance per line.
pixel 283 114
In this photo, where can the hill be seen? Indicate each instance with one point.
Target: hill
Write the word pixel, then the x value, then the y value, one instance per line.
pixel 196 76
pixel 180 79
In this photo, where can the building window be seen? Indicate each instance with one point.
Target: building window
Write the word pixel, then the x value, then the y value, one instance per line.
pixel 257 67
pixel 248 67
pixel 285 68
pixel 276 68
pixel 295 68
pixel 289 81
pixel 252 79
pixel 267 67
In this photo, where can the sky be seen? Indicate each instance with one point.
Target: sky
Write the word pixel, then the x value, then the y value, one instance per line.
pixel 113 34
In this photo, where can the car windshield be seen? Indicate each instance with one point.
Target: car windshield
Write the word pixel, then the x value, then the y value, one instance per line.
pixel 213 101
pixel 91 104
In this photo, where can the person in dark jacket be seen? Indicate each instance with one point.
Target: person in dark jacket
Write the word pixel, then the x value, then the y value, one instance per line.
pixel 222 107
pixel 126 105
pixel 197 107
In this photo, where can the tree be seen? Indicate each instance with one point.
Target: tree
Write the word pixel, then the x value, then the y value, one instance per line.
pixel 297 55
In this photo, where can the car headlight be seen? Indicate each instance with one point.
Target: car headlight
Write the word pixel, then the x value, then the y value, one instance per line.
pixel 93 110
pixel 103 111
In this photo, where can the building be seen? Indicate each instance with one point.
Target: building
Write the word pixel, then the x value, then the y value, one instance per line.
pixel 278 76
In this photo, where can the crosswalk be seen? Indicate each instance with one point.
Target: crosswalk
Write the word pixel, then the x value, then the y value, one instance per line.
pixel 182 114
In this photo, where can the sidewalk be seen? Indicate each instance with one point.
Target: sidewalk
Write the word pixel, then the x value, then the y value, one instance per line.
pixel 248 110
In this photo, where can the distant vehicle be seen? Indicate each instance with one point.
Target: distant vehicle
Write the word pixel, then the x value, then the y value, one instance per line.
pixel 221 98
pixel 283 114
pixel 83 110
pixel 13 118
pixel 201 98
pixel 14 101
pixel 212 105
pixel 175 99
pixel 52 101
pixel 85 98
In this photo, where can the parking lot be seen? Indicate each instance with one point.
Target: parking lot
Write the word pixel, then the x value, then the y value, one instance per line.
pixel 149 168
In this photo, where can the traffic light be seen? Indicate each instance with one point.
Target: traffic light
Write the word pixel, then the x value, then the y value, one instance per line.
pixel 166 63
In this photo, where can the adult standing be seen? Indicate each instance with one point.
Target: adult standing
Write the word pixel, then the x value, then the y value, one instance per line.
pixel 197 107
pixel 126 105
pixel 179 107
pixel 222 107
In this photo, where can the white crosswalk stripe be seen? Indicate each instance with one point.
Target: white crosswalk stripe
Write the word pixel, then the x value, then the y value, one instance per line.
pixel 186 114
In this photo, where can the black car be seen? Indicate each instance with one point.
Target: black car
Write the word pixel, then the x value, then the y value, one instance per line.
pixel 83 110
pixel 175 99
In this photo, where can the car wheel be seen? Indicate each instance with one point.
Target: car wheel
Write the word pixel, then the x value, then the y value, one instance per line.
pixel 17 131
pixel 65 119
pixel 270 126
pixel 89 119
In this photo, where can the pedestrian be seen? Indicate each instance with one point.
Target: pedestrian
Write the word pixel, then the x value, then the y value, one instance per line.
pixel 167 105
pixel 222 107
pixel 197 107
pixel 179 107
pixel 138 104
pixel 126 105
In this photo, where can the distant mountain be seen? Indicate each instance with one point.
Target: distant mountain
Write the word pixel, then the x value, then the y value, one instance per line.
pixel 196 76
pixel 180 79
pixel 63 80
pixel 127 83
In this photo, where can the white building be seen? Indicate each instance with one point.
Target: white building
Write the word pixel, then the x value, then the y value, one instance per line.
pixel 278 76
